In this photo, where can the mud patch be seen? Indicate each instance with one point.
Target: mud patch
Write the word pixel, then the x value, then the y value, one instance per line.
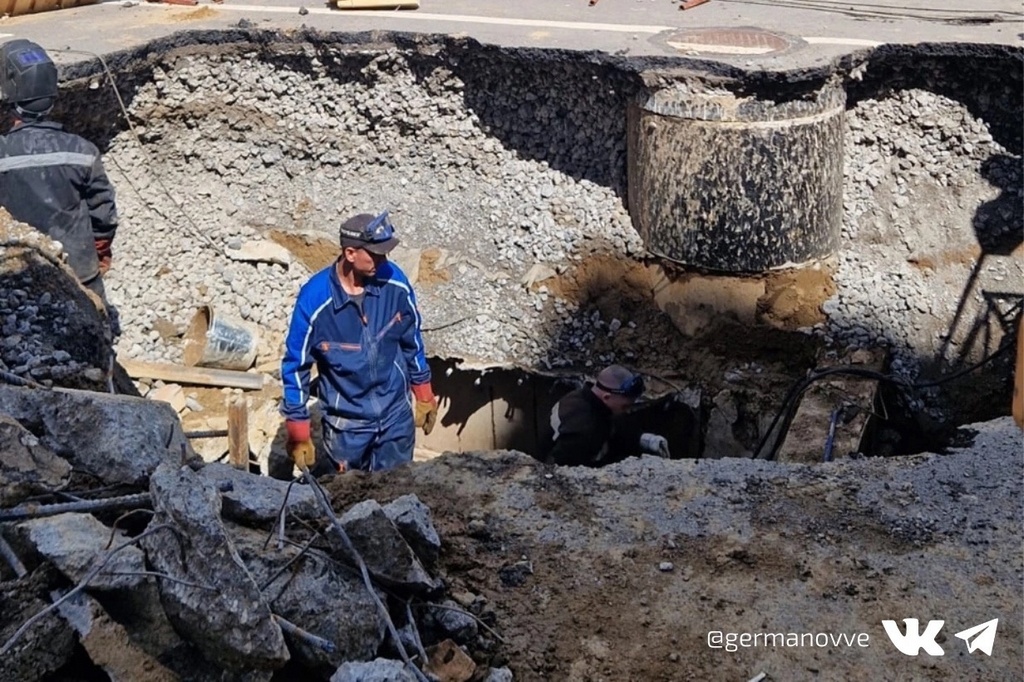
pixel 431 273
pixel 793 298
pixel 316 253
pixel 196 15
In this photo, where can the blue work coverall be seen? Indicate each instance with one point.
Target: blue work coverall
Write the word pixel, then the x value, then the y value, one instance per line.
pixel 366 365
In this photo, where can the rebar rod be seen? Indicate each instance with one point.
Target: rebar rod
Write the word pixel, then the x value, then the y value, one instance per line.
pixel 36 511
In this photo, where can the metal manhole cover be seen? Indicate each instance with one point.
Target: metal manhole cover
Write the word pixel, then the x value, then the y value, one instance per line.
pixel 738 41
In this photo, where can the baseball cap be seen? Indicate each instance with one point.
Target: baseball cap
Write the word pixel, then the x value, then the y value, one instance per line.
pixel 376 234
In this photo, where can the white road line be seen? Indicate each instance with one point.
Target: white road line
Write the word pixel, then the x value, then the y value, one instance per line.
pixel 475 19
pixel 422 16
pixel 823 40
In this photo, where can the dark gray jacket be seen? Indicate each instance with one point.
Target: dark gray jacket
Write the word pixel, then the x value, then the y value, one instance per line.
pixel 54 181
pixel 585 433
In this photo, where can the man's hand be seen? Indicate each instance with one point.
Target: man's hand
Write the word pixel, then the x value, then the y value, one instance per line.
pixel 104 254
pixel 300 444
pixel 654 444
pixel 426 407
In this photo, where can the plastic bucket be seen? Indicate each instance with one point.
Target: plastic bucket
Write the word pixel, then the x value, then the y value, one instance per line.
pixel 214 340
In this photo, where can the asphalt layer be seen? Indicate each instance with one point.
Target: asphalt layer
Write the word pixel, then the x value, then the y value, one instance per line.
pixel 804 33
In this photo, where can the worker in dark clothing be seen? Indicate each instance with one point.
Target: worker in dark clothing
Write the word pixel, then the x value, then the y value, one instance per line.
pixel 585 426
pixel 51 179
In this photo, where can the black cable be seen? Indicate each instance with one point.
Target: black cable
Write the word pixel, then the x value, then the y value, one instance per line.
pixel 788 409
pixel 853 11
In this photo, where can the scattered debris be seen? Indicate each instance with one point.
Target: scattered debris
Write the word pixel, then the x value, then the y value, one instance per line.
pixel 262 251
pixel 117 439
pixel 195 376
pixel 27 467
pixel 449 663
pixel 172 394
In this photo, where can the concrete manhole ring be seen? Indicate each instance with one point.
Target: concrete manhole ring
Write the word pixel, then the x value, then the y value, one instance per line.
pixel 730 41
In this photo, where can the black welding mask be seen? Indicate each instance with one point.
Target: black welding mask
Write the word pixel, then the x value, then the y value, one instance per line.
pixel 28 77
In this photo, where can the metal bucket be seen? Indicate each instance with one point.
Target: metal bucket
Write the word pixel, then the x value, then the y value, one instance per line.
pixel 214 340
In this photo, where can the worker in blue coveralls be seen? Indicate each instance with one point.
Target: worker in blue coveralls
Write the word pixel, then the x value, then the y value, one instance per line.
pixel 357 321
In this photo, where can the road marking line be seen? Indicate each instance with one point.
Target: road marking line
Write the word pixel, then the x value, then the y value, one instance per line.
pixel 421 16
pixel 823 40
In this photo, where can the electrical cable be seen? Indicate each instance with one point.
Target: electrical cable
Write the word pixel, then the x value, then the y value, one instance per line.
pixel 850 10
pixel 787 411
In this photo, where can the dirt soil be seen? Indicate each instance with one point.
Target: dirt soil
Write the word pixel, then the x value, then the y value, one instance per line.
pixel 621 288
pixel 572 565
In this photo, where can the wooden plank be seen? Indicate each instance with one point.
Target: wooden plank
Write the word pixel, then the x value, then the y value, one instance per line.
pixel 238 433
pixel 1018 378
pixel 198 376
pixel 19 7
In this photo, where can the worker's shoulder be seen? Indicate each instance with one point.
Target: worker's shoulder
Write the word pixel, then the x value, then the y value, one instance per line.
pixel 53 136
pixel 577 411
pixel 390 274
pixel 317 289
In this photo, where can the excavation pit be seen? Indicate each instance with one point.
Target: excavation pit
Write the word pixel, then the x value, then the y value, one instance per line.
pixel 507 173
pixel 508 177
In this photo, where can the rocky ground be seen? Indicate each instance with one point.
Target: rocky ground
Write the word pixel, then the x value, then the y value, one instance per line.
pixel 508 189
pixel 525 256
pixel 621 573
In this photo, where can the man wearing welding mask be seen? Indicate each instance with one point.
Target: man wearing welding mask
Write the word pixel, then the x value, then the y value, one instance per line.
pixel 357 320
pixel 50 178
pixel 584 422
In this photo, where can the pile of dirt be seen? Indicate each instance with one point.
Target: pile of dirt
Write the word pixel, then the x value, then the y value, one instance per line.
pixel 621 573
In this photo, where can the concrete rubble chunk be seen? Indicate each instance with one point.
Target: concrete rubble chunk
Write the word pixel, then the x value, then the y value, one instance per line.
pixel 74 543
pixel 316 596
pixel 449 663
pixel 377 670
pixel 52 329
pixel 27 467
pixel 218 606
pixel 386 553
pixel 412 519
pixel 408 259
pixel 538 272
pixel 451 621
pixel 499 675
pixel 255 499
pixel 259 252
pixel 116 438
pixel 108 643
pixel 172 394
pixel 44 648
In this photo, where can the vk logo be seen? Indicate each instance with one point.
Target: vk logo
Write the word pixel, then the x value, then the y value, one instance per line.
pixel 980 637
pixel 913 641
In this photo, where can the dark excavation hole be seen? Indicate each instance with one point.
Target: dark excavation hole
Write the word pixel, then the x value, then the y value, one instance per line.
pixel 216 111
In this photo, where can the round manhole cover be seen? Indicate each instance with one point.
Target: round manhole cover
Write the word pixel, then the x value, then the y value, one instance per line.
pixel 739 41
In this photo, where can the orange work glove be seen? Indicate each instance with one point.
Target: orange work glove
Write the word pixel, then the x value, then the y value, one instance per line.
pixel 426 407
pixel 300 444
pixel 104 253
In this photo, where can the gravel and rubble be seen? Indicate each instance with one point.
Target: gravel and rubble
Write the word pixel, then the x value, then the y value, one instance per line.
pixel 207 586
pixel 499 171
pixel 52 331
pixel 933 210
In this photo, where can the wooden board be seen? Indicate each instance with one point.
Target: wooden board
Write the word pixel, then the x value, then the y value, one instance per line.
pixel 238 433
pixel 198 376
pixel 377 4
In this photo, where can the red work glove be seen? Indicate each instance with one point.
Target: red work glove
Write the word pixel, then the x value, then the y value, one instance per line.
pixel 104 254
pixel 300 444
pixel 426 407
